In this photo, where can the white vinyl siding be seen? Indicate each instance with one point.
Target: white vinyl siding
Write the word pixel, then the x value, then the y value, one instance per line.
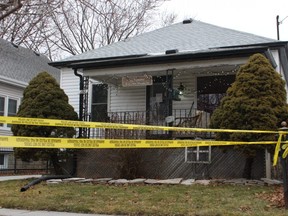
pixel 70 84
pixel 127 99
pixel 134 98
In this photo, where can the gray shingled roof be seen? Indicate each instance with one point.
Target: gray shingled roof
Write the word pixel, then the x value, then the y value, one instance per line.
pixel 184 37
pixel 22 64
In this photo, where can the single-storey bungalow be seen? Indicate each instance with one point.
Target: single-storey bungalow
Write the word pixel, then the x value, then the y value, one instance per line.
pixel 174 76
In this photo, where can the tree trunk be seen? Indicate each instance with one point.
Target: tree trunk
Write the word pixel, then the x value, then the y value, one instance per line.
pixel 247 172
pixel 56 165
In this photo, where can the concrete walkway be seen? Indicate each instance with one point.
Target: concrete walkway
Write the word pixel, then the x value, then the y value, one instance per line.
pixel 17 212
pixel 7 178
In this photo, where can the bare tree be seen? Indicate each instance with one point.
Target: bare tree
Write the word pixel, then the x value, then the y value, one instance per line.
pixel 8 7
pixel 167 19
pixel 26 26
pixel 59 28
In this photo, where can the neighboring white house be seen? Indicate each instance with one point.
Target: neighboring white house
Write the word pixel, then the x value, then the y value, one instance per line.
pixel 138 80
pixel 18 66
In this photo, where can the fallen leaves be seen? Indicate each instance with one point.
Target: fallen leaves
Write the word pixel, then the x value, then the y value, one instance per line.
pixel 276 198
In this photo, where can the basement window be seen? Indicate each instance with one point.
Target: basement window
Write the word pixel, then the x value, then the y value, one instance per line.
pixel 198 154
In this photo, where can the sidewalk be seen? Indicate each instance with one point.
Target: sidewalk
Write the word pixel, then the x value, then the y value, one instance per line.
pixel 7 178
pixel 16 212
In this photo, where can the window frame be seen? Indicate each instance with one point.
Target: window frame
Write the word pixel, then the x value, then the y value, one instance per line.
pixel 211 89
pixel 194 152
pixel 5 161
pixel 101 103
pixel 6 108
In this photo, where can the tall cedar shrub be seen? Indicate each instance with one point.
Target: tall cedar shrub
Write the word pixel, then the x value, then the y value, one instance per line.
pixel 43 98
pixel 255 101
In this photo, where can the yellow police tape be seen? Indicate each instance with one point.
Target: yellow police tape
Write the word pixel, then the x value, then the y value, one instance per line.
pixel 67 123
pixel 39 142
pixel 33 142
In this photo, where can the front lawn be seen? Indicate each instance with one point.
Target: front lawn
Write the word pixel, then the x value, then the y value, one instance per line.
pixel 200 200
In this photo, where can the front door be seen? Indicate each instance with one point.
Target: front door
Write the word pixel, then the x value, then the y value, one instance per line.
pixel 159 102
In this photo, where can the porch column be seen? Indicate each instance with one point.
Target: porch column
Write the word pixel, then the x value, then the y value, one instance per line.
pixel 268 164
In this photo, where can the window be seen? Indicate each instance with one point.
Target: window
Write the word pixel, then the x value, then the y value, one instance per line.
pixel 99 102
pixel 198 154
pixel 12 107
pixel 2 105
pixel 210 91
pixel 8 107
pixel 3 161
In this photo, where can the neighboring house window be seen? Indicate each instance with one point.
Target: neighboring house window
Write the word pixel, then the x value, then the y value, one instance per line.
pixel 2 105
pixel 99 102
pixel 198 154
pixel 8 107
pixel 210 91
pixel 3 161
pixel 12 107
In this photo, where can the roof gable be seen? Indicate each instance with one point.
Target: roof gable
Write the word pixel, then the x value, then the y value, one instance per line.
pixel 192 36
pixel 22 64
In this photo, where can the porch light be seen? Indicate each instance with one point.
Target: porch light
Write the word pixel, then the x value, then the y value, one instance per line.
pixel 181 88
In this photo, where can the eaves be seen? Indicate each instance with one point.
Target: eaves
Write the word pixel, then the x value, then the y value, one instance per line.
pixel 168 58
pixel 13 82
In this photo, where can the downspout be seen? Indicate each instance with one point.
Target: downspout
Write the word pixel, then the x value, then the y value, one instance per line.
pixel 81 85
pixel 284 62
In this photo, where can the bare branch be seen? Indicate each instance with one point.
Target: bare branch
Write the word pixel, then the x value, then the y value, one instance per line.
pixel 62 27
pixel 12 6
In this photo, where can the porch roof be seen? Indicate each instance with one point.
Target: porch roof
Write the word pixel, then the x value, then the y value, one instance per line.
pixel 147 59
pixel 192 37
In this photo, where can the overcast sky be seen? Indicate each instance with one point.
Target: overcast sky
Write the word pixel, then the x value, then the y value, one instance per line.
pixel 252 16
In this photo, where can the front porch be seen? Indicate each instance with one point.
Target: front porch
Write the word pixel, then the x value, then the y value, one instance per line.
pixel 191 118
pixel 184 96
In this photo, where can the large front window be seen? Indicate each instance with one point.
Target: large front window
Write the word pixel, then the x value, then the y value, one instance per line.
pixel 210 91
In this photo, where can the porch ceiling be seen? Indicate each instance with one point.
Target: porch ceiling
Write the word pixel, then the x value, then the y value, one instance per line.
pixel 116 78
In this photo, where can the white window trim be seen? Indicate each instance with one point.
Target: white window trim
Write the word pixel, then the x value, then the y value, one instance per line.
pixel 6 101
pixel 5 165
pixel 197 151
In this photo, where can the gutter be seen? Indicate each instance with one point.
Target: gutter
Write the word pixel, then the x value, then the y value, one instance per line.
pixel 59 64
pixel 216 51
pixel 13 82
pixel 269 44
pixel 171 58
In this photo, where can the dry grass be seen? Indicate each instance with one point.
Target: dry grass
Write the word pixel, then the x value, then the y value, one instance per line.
pixel 196 200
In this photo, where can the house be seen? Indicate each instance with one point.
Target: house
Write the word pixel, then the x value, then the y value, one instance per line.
pixel 18 66
pixel 173 76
